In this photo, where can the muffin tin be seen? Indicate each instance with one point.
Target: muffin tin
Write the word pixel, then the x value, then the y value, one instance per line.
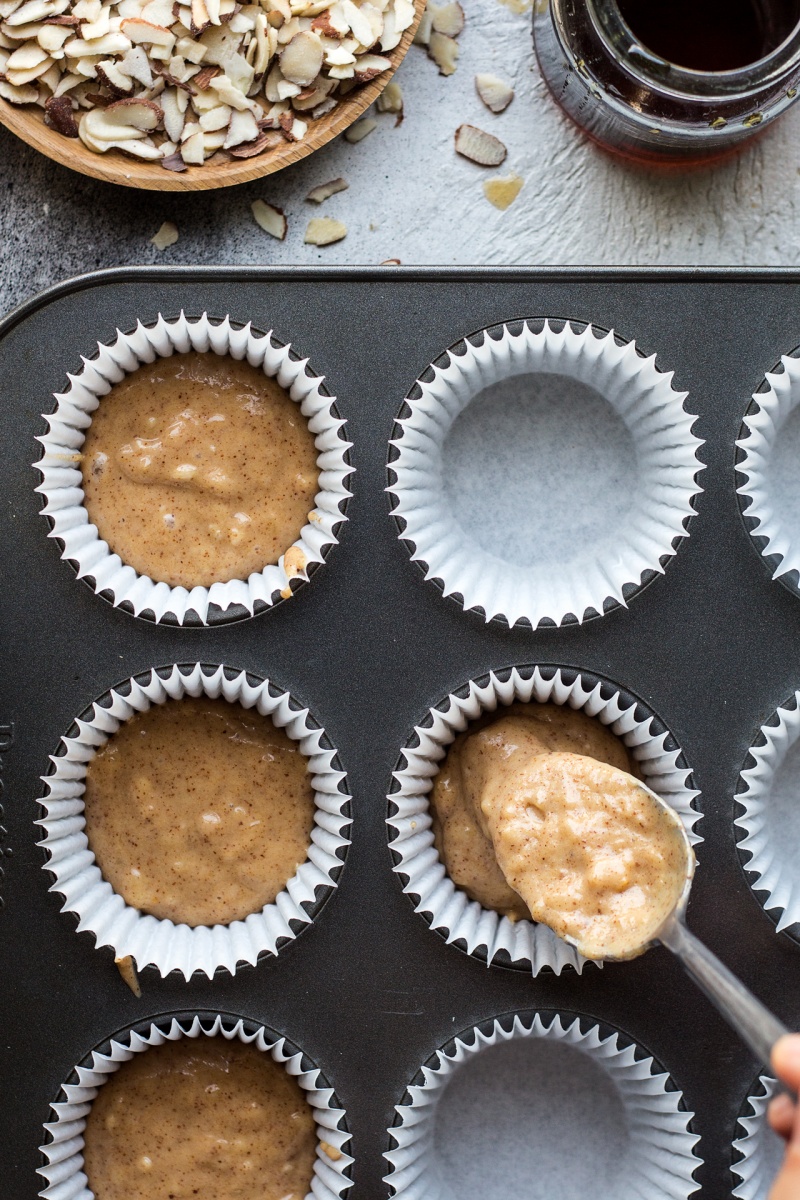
pixel 367 990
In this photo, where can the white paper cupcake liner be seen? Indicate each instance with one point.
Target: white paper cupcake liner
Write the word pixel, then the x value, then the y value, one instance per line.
pixel 768 799
pixel 599 576
pixel 762 498
pixel 659 1162
pixel 64 1174
pixel 62 484
pixel 758 1152
pixel 159 942
pixel 481 931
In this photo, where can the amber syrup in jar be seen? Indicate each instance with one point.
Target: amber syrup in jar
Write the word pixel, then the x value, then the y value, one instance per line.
pixel 670 81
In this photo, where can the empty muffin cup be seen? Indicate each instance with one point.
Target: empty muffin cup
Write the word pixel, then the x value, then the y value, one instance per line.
pixel 757 1151
pixel 448 909
pixel 159 941
pixel 63 485
pixel 64 1174
pixel 542 473
pixel 767 454
pixel 541 1105
pixel 769 817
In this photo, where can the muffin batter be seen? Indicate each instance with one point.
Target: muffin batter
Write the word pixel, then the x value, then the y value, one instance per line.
pixel 591 853
pixel 198 469
pixel 501 742
pixel 199 811
pixel 200 1118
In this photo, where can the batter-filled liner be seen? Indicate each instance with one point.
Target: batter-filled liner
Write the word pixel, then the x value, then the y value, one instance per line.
pixel 481 931
pixel 62 483
pixel 63 1151
pixel 543 474
pixel 161 943
pixel 757 1151
pixel 538 1106
pixel 770 816
pixel 767 456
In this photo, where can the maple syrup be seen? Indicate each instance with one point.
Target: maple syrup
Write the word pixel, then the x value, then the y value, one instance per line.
pixel 670 81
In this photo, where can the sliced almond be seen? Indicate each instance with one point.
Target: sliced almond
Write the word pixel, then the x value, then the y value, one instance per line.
pixel 166 236
pixel 58 115
pixel 301 59
pixel 193 149
pixel 173 162
pixel 503 190
pixel 322 231
pixel 127 969
pixel 324 191
pixel 360 130
pixel 111 77
pixel 27 94
pixel 391 101
pixel 268 140
pixel 270 219
pixel 368 66
pixel 36 10
pixel 294 130
pixel 444 52
pixel 495 93
pixel 145 33
pixel 448 19
pixel 423 35
pixel 242 130
pixel 479 146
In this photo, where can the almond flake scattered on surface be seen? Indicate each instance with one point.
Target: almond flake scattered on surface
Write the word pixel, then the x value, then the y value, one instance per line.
pixel 270 219
pixel 503 190
pixel 448 19
pixel 333 1152
pixel 479 146
pixel 391 101
pixel 391 262
pixel 324 191
pixel 360 130
pixel 322 231
pixel 167 236
pixel 495 93
pixel 127 969
pixel 444 52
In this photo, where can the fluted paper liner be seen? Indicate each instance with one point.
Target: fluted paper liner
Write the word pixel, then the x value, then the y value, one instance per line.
pixel 548 591
pixel 758 1151
pixel 447 908
pixel 660 1161
pixel 160 942
pixel 64 1174
pixel 62 483
pixel 768 848
pixel 762 504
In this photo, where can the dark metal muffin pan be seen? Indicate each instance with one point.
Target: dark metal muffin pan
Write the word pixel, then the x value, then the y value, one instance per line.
pixel 368 991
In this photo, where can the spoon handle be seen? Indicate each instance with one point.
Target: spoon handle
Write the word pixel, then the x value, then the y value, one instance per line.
pixel 754 1023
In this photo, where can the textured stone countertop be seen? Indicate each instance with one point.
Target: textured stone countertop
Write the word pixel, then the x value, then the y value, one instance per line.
pixel 411 197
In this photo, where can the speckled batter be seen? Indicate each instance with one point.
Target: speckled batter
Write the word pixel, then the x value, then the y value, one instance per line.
pixel 199 811
pixel 198 469
pixel 503 740
pixel 200 1119
pixel 591 853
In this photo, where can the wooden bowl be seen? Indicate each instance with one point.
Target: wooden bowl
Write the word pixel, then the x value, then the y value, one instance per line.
pixel 116 167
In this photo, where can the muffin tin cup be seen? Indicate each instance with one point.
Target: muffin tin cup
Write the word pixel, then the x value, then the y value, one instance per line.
pixel 764 420
pixel 160 942
pixel 767 851
pixel 62 483
pixel 549 591
pixel 63 1151
pixel 661 1160
pixel 757 1151
pixel 464 922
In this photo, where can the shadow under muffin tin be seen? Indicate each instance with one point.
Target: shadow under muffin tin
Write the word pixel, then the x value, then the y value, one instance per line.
pixel 367 990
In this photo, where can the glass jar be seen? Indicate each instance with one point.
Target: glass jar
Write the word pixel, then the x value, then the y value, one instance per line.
pixel 633 100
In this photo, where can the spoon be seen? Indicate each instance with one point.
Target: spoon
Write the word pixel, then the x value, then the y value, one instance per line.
pixel 754 1023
